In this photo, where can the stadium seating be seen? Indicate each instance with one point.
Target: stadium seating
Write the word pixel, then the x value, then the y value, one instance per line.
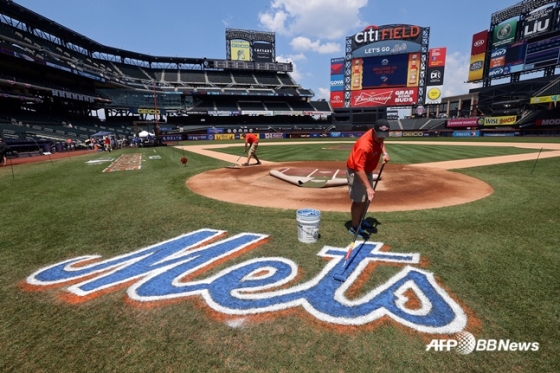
pixel 54 75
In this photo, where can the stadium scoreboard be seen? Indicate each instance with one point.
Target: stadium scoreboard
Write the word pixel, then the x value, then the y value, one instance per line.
pixel 523 38
pixel 387 66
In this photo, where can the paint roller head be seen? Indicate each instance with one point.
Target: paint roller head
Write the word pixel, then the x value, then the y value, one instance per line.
pixel 339 278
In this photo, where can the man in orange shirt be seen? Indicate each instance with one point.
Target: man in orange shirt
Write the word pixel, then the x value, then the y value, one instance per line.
pixel 362 161
pixel 251 142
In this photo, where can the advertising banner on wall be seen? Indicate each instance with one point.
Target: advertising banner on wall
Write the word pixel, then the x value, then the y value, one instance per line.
pixel 537 22
pixel 507 59
pixel 248 45
pixel 544 99
pixel 498 57
pixel 224 136
pixel 436 68
pixel 466 133
pixel 479 42
pixel 462 122
pixel 263 51
pixel 337 82
pixel 504 33
pixel 499 121
pixel 476 67
pixel 240 50
pixel 435 75
pixel 478 55
pixel 147 111
pixel 436 57
pixel 548 122
pixel 337 66
pixel 337 99
pixel 385 97
pixel 433 96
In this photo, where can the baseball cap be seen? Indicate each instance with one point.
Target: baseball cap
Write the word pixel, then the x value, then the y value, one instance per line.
pixel 382 128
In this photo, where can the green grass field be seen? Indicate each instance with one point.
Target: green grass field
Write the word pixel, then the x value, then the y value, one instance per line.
pixel 497 257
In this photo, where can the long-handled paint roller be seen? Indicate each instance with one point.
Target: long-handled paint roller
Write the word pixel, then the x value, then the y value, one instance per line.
pixel 340 276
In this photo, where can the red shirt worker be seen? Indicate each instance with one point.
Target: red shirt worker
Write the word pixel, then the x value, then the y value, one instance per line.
pixel 251 143
pixel 362 161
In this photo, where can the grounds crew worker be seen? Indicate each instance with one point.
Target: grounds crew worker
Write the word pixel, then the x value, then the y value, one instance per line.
pixel 362 161
pixel 251 142
pixel 3 150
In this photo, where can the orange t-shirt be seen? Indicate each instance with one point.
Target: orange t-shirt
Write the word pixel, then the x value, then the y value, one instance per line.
pixel 365 154
pixel 250 138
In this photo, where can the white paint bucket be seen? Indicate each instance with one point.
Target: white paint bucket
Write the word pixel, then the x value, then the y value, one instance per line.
pixel 308 225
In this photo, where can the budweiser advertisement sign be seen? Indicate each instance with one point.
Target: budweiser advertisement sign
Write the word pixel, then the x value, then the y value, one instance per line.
pixel 385 97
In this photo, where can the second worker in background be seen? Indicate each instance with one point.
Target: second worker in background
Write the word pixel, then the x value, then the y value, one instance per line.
pixel 251 144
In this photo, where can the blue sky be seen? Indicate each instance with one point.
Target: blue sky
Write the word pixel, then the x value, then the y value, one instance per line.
pixel 308 32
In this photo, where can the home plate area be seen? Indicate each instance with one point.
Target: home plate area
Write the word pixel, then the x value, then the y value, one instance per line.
pixel 126 162
pixel 308 177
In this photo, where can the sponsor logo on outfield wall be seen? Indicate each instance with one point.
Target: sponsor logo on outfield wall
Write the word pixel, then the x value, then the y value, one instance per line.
pixel 548 122
pixel 499 121
pixel 463 122
pixel 466 133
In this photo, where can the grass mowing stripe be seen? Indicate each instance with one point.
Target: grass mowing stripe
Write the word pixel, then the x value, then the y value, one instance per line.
pixel 498 256
pixel 408 153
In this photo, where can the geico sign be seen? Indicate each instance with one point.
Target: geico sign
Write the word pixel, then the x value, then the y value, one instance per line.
pixel 148 111
pixel 413 134
pixel 372 34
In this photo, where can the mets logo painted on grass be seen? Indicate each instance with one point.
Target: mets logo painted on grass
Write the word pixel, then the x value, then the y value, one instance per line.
pixel 174 269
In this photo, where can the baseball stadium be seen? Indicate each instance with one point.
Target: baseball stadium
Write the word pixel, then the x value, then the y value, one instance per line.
pixel 124 172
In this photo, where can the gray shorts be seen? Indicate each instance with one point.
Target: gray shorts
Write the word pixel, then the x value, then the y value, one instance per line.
pixel 357 190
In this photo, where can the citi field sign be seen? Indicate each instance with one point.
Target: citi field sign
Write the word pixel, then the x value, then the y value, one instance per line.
pixel 394 34
pixel 177 269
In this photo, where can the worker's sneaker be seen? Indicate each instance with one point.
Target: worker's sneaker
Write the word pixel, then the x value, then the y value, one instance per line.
pixel 367 226
pixel 361 232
